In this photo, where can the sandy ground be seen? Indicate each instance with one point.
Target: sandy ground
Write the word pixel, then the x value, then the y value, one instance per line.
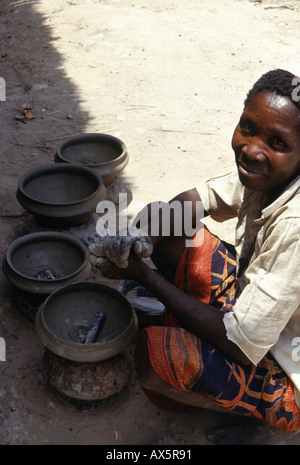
pixel 168 78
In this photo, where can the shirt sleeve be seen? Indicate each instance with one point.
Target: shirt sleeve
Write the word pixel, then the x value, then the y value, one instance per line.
pixel 221 196
pixel 271 293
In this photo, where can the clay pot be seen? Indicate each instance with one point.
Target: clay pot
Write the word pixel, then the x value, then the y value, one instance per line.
pixel 39 263
pixel 44 261
pixel 67 314
pixel 104 153
pixel 61 195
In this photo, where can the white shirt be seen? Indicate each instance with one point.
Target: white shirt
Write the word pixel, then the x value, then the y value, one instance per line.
pixel 266 316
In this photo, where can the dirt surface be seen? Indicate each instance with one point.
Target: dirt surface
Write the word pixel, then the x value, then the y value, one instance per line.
pixel 168 78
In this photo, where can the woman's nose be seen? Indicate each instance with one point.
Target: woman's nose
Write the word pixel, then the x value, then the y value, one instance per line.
pixel 254 152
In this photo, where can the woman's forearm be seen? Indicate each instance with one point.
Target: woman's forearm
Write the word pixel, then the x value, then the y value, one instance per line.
pixel 203 320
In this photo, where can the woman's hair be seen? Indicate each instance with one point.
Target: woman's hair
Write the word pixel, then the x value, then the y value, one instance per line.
pixel 277 80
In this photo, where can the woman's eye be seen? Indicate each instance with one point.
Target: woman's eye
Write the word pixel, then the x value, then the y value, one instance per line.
pixel 247 128
pixel 278 142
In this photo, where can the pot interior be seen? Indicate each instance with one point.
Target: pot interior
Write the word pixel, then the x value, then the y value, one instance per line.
pixel 69 315
pixel 47 259
pixel 91 153
pixel 60 187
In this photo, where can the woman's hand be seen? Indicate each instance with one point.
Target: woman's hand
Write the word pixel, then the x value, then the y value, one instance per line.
pixel 118 248
pixel 134 270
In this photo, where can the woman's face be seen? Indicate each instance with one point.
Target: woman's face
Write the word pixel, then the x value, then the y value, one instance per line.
pixel 266 143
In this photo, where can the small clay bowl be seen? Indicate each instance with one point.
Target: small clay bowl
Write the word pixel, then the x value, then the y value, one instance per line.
pixel 61 195
pixel 40 263
pixel 67 314
pixel 104 153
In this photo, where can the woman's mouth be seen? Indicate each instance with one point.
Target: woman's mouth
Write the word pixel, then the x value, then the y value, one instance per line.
pixel 246 170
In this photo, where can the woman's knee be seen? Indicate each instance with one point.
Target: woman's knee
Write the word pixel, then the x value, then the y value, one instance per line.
pixel 146 374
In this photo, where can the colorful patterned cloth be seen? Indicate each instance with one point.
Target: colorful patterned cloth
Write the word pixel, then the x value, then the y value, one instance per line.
pixel 207 272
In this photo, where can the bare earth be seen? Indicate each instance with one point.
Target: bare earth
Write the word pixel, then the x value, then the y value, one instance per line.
pixel 169 78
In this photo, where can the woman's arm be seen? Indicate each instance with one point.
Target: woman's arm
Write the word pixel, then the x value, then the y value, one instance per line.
pixel 203 320
pixel 172 216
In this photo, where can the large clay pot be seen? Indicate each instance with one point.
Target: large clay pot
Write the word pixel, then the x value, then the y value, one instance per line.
pixel 67 314
pixel 61 195
pixel 37 264
pixel 104 153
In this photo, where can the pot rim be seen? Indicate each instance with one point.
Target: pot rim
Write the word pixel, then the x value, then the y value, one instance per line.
pixel 92 137
pixel 56 168
pixel 55 236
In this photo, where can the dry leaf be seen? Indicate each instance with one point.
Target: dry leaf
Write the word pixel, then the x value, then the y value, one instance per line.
pixel 25 115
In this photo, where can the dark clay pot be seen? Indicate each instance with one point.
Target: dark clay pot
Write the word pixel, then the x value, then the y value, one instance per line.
pixel 104 153
pixel 67 314
pixel 40 263
pixel 61 195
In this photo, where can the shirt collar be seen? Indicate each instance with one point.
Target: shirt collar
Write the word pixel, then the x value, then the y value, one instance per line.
pixel 289 191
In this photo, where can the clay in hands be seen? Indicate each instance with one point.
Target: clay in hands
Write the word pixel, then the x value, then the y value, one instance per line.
pixel 117 249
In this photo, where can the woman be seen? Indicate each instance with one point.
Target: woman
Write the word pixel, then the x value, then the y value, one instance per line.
pixel 232 313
